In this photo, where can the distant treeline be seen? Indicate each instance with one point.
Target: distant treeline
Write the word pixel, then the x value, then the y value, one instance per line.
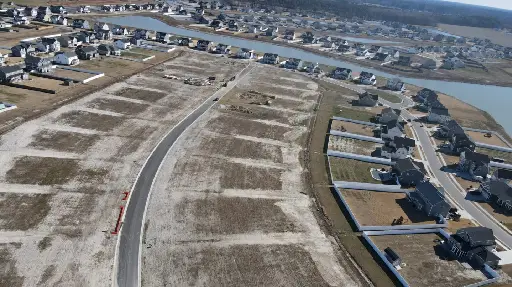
pixel 415 12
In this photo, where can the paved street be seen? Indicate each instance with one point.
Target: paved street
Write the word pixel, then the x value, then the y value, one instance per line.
pixel 128 259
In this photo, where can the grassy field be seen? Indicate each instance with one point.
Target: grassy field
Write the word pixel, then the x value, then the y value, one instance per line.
pixel 353 114
pixel 353 170
pixel 386 95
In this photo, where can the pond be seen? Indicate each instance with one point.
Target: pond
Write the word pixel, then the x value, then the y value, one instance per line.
pixel 497 101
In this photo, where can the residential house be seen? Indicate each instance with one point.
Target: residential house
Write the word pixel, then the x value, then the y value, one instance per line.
pixel 390 130
pixel 67 41
pixel 22 50
pixel 398 148
pixel 382 57
pixel 108 8
pixel 81 24
pixel 44 10
pixel 3 58
pixel 30 11
pixel 99 26
pixel 293 64
pixel 460 142
pixel 233 26
pixel 59 9
pixel 342 74
pixel 204 45
pixel 308 38
pixel 344 48
pixel 5 25
pixel 14 12
pixel 216 24
pixel 388 115
pixel 136 42
pixel 501 174
pixel 104 35
pixel 122 44
pixel 438 113
pixel 84 9
pixel 271 31
pixel 85 37
pixel 312 68
pixel 407 172
pixel 107 50
pixel 252 30
pixel 395 84
pixel 86 52
pixel 184 41
pixel 20 20
pixel 363 52
pixel 367 78
pixel 453 63
pixel 438 38
pixel 66 58
pixel 476 164
pixel 475 245
pixel 118 30
pixel 427 63
pixel 163 37
pixel 52 43
pixel 269 58
pixel 289 35
pixel 368 100
pixel 404 61
pixel 12 74
pixel 222 49
pixel 498 192
pixel 426 197
pixel 448 129
pixel 119 8
pixel 204 20
pixel 38 64
pixel 426 96
pixel 141 34
pixel 245 53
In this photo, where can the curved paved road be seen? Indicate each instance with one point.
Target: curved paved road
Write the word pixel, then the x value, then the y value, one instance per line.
pixel 127 261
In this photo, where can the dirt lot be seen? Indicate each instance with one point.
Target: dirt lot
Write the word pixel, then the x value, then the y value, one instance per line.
pixel 480 137
pixel 352 145
pixel 63 175
pixel 353 170
pixel 440 272
pixel 353 128
pixel 381 208
pixel 362 114
pixel 231 198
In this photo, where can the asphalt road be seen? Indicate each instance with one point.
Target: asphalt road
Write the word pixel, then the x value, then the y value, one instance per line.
pixel 130 235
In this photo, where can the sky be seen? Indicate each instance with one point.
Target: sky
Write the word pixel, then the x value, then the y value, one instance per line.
pixel 503 4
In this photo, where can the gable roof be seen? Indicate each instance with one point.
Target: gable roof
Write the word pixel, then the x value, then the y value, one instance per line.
pixel 502 173
pixel 404 142
pixel 380 56
pixel 479 158
pixel 406 164
pixel 366 74
pixel 430 192
pixel 477 236
pixel 10 69
pixel 374 97
pixel 440 111
pixel 453 127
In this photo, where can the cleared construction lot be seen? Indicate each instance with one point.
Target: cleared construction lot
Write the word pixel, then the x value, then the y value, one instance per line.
pixel 63 175
pixel 231 206
pixel 426 263
pixel 345 169
pixel 352 145
pixel 373 208
pixel 353 128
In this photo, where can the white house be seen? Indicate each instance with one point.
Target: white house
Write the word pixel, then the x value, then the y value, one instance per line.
pixel 66 58
pixel 122 44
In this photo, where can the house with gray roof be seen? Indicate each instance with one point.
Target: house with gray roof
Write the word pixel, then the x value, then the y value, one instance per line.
pixel 476 164
pixel 398 148
pixel 342 74
pixel 388 115
pixel 293 64
pixel 395 84
pixel 38 64
pixel 448 129
pixel 438 113
pixel 427 197
pixel 407 172
pixel 460 142
pixel 497 191
pixel 12 74
pixel 269 58
pixel 368 99
pixel 474 245
pixel 391 130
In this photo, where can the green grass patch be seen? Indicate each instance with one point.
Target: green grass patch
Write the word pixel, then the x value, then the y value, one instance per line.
pixel 507 156
pixel 134 55
pixel 353 114
pixel 386 96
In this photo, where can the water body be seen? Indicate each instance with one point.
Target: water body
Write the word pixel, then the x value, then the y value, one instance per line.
pixel 497 101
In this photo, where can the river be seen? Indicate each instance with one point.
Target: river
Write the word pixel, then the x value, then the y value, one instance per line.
pixel 497 101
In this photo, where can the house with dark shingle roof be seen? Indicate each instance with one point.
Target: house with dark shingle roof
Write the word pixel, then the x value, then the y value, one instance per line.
pixel 388 115
pixel 438 113
pixel 342 74
pixel 382 57
pixel 398 148
pixel 476 164
pixel 461 142
pixel 391 130
pixel 449 129
pixel 474 245
pixel 368 99
pixel 407 172
pixel 427 197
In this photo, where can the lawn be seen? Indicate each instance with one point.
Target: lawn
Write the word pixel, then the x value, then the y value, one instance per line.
pixel 353 114
pixel 353 170
pixel 386 95
pixel 134 55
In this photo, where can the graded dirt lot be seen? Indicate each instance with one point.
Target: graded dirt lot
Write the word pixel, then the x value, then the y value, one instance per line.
pixel 424 267
pixel 352 145
pixel 373 208
pixel 231 197
pixel 480 137
pixel 353 170
pixel 63 174
pixel 353 128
